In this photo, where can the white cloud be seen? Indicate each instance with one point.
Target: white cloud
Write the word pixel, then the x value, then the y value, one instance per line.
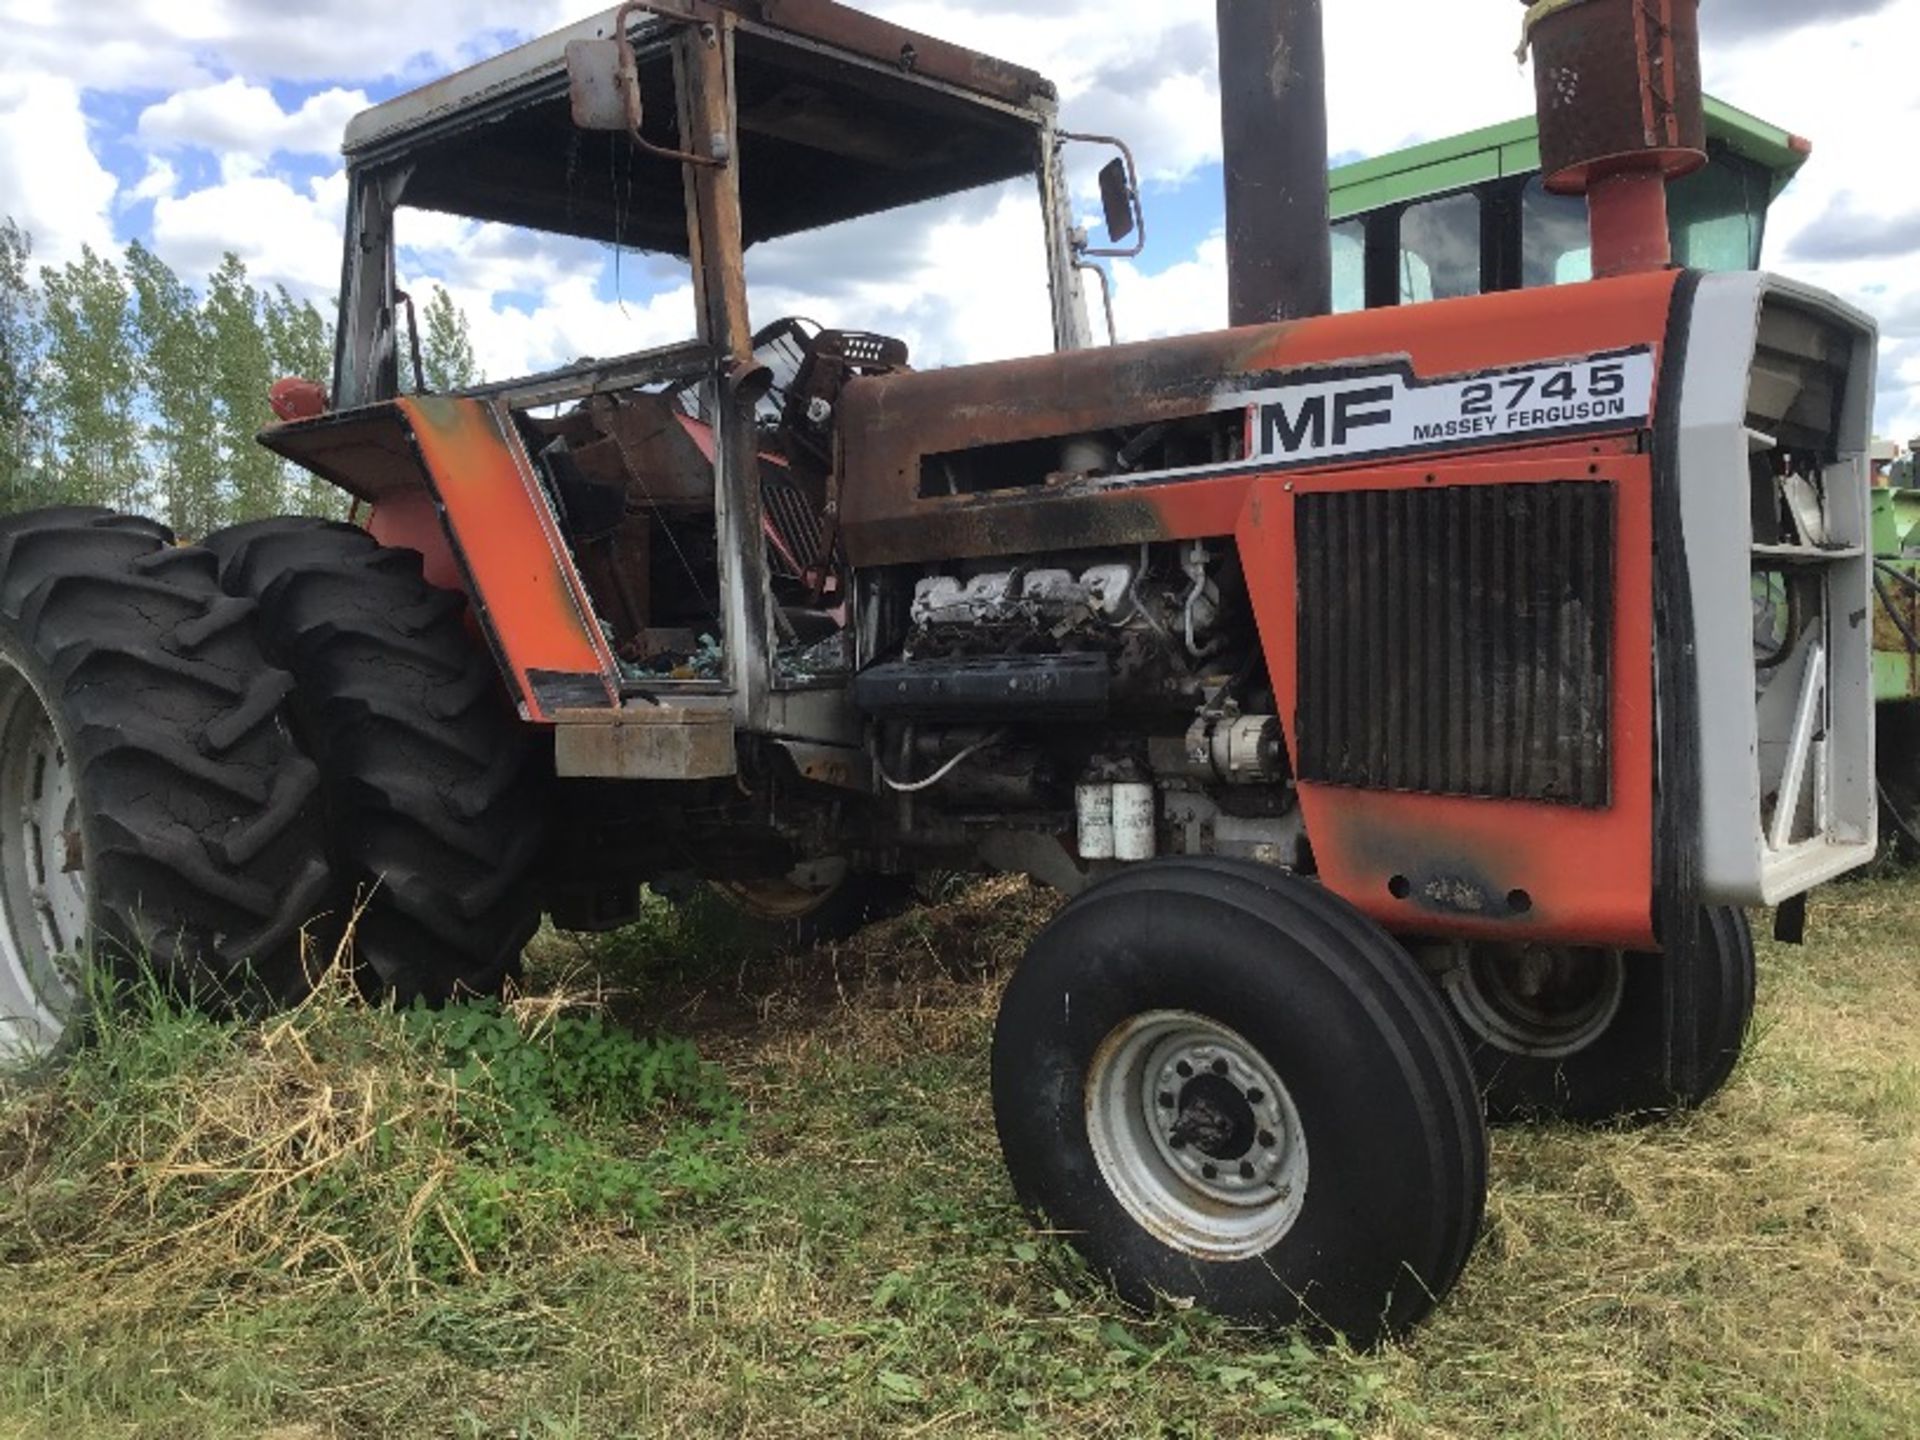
pixel 236 116
pixel 537 301
pixel 1147 70
pixel 165 45
pixel 50 180
pixel 1853 183
pixel 960 280
pixel 160 179
pixel 284 235
pixel 1182 299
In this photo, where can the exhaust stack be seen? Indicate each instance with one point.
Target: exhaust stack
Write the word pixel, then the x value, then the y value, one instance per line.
pixel 1617 85
pixel 1273 125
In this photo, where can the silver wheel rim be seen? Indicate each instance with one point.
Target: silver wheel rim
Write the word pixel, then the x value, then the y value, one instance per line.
pixel 1547 1001
pixel 1195 1135
pixel 43 878
pixel 792 896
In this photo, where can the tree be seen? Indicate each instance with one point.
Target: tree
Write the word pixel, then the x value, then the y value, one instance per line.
pixel 242 374
pixel 19 341
pixel 92 383
pixel 183 427
pixel 446 346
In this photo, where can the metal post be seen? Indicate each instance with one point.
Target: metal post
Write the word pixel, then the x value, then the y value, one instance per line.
pixel 1273 124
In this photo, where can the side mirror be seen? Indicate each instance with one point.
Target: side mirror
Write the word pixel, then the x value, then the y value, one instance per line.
pixel 1116 199
pixel 603 84
pixel 1119 201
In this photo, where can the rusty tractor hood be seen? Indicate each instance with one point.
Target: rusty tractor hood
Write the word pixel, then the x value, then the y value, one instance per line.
pixel 889 426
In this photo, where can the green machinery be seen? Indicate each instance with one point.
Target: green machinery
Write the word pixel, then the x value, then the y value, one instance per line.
pixel 1470 214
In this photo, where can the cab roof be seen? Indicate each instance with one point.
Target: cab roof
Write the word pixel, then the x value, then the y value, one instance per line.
pixel 840 114
pixel 1472 158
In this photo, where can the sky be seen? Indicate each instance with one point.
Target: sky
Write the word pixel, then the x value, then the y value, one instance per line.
pixel 215 125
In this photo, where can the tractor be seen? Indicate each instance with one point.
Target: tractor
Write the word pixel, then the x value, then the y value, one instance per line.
pixel 1381 689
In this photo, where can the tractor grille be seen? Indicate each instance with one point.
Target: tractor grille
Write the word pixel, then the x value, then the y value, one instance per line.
pixel 1457 640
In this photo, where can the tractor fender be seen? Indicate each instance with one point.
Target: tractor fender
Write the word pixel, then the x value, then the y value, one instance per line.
pixel 448 476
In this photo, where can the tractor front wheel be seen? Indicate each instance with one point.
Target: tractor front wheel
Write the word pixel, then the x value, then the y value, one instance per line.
pixel 154 810
pixel 434 793
pixel 1582 1034
pixel 1229 1087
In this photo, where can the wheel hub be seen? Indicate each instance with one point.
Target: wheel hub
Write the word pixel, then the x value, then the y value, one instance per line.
pixel 1544 1000
pixel 43 873
pixel 1196 1135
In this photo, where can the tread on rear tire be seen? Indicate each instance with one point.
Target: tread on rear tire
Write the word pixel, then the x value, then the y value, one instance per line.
pixel 190 818
pixel 434 794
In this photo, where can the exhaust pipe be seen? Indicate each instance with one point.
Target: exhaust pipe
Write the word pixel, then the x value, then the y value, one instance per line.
pixel 1273 126
pixel 1617 86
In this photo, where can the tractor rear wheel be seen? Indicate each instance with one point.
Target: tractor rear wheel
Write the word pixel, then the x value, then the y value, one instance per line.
pixel 1580 1034
pixel 435 798
pixel 154 810
pixel 1230 1087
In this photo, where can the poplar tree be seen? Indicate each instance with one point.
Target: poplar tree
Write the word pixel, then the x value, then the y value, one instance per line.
pixel 19 478
pixel 176 371
pixel 92 379
pixel 446 346
pixel 242 374
pixel 122 386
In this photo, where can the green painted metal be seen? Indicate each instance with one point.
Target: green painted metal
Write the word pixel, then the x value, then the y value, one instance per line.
pixel 1895 678
pixel 1896 521
pixel 1895 534
pixel 1496 151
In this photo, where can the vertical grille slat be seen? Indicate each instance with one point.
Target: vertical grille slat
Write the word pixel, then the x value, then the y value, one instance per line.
pixel 1457 640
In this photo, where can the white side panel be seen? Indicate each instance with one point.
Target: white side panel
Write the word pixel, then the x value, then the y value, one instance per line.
pixel 1719 537
pixel 1785 746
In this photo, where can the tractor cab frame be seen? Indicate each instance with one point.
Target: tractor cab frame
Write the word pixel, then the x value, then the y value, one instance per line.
pixel 807 114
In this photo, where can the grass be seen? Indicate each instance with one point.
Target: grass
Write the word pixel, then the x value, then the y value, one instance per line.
pixel 201 1235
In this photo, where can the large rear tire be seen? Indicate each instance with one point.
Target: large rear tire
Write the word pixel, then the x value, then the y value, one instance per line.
pixel 434 796
pixel 1230 1087
pixel 1574 1034
pixel 154 809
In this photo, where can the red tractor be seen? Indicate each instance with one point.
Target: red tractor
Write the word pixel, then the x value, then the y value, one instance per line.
pixel 1386 689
